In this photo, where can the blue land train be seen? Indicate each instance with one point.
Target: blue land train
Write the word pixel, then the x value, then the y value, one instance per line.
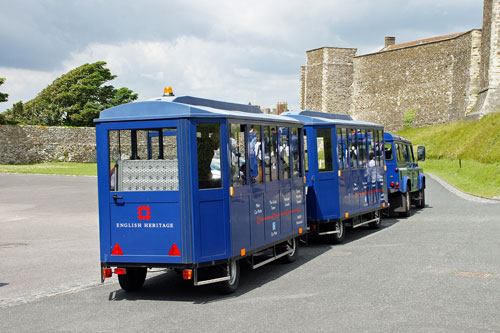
pixel 195 185
pixel 405 179
pixel 345 172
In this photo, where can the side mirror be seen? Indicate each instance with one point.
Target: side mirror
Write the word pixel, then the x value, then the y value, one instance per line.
pixel 421 153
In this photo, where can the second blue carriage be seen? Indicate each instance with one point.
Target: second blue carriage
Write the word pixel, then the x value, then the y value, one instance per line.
pixel 345 170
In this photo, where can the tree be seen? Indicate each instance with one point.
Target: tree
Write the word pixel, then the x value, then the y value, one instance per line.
pixel 3 98
pixel 74 99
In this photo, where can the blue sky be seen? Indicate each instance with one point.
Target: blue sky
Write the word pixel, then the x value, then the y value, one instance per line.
pixel 238 51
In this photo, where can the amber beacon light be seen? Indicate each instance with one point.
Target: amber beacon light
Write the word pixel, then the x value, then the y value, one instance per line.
pixel 168 91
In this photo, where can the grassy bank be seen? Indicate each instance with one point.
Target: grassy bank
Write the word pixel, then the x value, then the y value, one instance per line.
pixel 474 177
pixel 54 168
pixel 475 141
pixel 477 144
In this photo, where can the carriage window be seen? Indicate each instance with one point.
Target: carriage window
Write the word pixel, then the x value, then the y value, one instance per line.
pixel 378 147
pixel 143 160
pixel 284 151
pixel 296 149
pixel 388 151
pixel 306 161
pixel 238 155
pixel 208 144
pixel 271 153
pixel 255 153
pixel 324 143
pixel 371 148
pixel 353 149
pixel 361 137
pixel 341 148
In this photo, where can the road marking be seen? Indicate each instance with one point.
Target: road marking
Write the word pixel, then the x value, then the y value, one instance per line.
pixel 474 274
pixel 65 289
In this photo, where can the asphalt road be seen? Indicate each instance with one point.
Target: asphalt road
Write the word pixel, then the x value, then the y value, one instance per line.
pixel 438 270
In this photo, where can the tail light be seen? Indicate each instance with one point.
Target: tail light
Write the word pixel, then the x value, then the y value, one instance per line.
pixel 392 184
pixel 187 274
pixel 106 273
pixel 396 169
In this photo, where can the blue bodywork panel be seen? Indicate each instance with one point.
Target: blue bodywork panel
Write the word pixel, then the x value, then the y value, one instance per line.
pixel 185 224
pixel 336 194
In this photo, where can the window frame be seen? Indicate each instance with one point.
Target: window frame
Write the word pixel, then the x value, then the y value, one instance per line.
pixel 327 149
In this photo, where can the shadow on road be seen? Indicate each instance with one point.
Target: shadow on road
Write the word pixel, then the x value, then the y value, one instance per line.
pixel 169 286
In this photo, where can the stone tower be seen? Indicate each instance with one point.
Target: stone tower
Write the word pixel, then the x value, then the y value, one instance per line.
pixel 488 100
pixel 326 80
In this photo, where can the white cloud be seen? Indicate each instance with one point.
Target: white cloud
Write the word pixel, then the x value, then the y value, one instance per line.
pixel 231 50
pixel 23 84
pixel 194 67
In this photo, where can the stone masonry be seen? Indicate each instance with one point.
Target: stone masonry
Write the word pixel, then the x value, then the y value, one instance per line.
pixel 443 79
pixel 37 144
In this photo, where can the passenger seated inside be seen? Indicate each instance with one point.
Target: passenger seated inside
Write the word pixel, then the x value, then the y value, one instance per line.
pixel 207 145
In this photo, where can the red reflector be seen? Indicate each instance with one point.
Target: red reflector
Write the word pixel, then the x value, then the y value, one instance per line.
pixel 106 273
pixel 120 271
pixel 117 251
pixel 392 184
pixel 187 274
pixel 396 169
pixel 313 227
pixel 174 251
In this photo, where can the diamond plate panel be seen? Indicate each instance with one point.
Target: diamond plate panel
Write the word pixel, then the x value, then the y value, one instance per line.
pixel 148 175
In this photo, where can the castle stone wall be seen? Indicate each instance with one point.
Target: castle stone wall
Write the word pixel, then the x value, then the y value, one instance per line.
pixel 37 144
pixel 432 79
pixel 443 79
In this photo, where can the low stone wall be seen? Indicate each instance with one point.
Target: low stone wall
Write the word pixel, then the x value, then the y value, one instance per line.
pixel 37 144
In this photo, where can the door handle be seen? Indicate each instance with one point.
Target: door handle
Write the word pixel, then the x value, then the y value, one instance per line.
pixel 116 197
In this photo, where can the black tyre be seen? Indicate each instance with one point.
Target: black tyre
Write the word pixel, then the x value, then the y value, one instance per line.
pixel 406 204
pixel 293 245
pixel 421 202
pixel 340 235
pixel 230 286
pixel 376 215
pixel 134 279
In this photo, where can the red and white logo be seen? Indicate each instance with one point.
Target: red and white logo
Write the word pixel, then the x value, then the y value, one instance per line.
pixel 140 213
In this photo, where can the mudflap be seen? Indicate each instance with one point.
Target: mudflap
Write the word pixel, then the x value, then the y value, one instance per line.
pixel 396 203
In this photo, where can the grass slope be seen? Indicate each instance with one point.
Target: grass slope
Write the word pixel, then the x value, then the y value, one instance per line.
pixel 53 168
pixel 477 141
pixel 477 144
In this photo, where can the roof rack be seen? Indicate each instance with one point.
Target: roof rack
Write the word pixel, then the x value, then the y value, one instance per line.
pixel 217 104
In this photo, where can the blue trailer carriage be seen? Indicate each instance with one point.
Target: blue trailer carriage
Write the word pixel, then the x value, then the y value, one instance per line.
pixel 406 180
pixel 195 185
pixel 345 172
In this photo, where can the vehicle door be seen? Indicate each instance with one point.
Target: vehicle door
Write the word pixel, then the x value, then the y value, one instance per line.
pixel 144 196
pixel 325 184
pixel 211 207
